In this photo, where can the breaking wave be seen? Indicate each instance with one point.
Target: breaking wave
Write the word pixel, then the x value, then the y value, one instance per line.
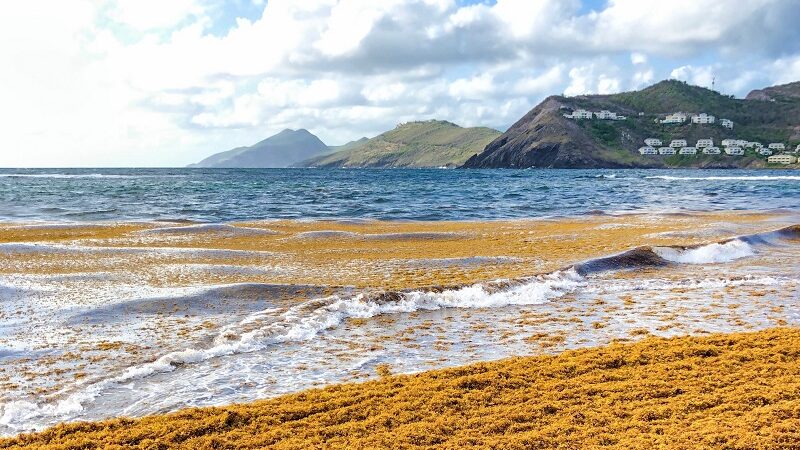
pixel 305 321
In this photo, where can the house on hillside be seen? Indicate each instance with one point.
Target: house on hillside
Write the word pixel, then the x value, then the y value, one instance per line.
pixel 678 143
pixel 653 142
pixel 728 142
pixel 647 150
pixel 579 114
pixel 703 143
pixel 703 118
pixel 782 159
pixel 606 115
pixel 666 151
pixel 777 146
pixel 688 151
pixel 727 123
pixel 711 151
pixel 764 151
pixel 797 149
pixel 677 117
pixel 734 151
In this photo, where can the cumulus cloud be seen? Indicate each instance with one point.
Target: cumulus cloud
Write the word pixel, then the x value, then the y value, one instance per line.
pixel 142 82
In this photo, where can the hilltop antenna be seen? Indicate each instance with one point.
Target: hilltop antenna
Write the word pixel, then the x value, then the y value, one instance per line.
pixel 713 82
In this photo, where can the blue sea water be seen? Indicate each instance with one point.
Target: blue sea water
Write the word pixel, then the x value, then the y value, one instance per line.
pixel 220 195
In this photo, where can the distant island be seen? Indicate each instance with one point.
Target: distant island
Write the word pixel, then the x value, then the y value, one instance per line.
pixel 281 150
pixel 616 131
pixel 670 124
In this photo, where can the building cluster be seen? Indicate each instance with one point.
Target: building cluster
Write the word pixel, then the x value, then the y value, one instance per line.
pixel 602 115
pixel 731 147
pixel 702 118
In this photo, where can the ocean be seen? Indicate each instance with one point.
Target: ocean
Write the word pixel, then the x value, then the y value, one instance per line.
pixel 223 195
pixel 129 292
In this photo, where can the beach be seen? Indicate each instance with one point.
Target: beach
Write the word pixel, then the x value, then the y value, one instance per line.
pixel 139 318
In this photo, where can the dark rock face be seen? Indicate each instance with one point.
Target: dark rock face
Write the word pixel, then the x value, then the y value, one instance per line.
pixel 543 138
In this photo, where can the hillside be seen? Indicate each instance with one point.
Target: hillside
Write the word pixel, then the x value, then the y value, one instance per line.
pixel 431 143
pixel 281 150
pixel 545 138
pixel 775 93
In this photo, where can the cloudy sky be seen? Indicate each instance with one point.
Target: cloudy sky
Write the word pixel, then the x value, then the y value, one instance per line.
pixel 168 82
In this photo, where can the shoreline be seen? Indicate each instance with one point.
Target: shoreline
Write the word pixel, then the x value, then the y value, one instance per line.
pixel 655 392
pixel 423 295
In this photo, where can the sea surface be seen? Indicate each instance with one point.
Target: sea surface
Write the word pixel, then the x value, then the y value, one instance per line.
pixel 128 292
pixel 223 195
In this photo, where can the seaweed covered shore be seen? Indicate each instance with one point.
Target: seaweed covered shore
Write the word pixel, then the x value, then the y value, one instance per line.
pixel 734 391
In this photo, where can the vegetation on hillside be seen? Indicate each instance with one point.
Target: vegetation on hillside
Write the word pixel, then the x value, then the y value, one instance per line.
pixel 735 391
pixel 431 143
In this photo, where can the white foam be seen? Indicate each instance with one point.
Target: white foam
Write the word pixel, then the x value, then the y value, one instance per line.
pixel 301 322
pixel 707 254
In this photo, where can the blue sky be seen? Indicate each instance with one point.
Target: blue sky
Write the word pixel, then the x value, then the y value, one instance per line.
pixel 154 83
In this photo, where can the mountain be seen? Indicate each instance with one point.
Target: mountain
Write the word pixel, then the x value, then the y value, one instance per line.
pixel 545 138
pixel 432 143
pixel 775 93
pixel 281 150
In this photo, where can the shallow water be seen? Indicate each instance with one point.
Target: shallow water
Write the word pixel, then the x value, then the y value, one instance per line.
pixel 147 318
pixel 223 195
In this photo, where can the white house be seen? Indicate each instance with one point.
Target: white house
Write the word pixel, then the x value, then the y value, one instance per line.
pixel 666 151
pixel 688 151
pixel 726 123
pixel 653 142
pixel 758 144
pixel 703 118
pixel 711 151
pixel 797 149
pixel 621 117
pixel 606 115
pixel 734 151
pixel 579 114
pixel 782 159
pixel 765 151
pixel 777 146
pixel 647 150
pixel 703 143
pixel 741 142
pixel 728 142
pixel 677 117
pixel 678 143
pixel 750 144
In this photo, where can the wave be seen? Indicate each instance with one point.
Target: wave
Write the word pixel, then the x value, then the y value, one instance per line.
pixel 305 321
pixel 727 178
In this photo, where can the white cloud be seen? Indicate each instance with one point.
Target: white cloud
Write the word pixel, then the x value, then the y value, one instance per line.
pixel 638 58
pixel 144 82
pixel 701 76
pixel 146 15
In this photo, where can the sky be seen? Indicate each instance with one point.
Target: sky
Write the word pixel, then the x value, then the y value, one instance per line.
pixel 120 83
